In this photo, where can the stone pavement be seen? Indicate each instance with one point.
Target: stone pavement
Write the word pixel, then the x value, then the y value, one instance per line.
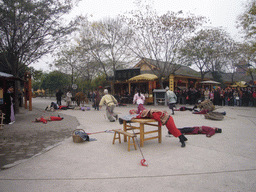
pixel 25 138
pixel 224 162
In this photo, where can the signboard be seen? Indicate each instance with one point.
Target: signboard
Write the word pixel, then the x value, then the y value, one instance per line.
pixel 74 86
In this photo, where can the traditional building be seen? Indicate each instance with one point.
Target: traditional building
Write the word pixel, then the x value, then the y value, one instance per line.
pixel 144 76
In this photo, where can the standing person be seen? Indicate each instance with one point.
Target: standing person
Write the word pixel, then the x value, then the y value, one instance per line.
pixel 164 118
pixel 171 99
pixel 216 99
pixel 236 97
pixel 8 105
pixel 97 99
pixel 109 101
pixel 254 97
pixel 222 100
pixel 211 96
pixel 58 97
pixel 93 99
pixel 139 99
pixel 68 97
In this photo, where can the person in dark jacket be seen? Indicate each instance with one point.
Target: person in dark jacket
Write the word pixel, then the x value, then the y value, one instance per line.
pixel 8 104
pixel 58 97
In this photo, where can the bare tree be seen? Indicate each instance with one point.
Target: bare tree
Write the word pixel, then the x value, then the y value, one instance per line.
pixel 232 58
pixel 210 50
pixel 249 56
pixel 159 38
pixel 67 61
pixel 106 41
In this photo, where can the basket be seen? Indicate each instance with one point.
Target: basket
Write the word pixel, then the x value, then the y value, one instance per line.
pixel 77 138
pixel 206 104
pixel 214 116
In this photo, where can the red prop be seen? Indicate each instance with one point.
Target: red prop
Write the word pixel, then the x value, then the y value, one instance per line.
pixel 143 162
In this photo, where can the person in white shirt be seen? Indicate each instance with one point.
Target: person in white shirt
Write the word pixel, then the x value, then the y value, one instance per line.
pixel 139 99
pixel 68 98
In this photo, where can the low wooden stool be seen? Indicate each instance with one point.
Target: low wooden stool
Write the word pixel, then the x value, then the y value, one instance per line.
pixel 129 135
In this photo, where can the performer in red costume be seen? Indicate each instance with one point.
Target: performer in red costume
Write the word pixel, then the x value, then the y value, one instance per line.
pixel 48 118
pixel 165 119
pixel 209 131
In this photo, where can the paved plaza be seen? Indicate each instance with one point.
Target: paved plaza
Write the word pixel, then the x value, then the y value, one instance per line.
pixel 43 157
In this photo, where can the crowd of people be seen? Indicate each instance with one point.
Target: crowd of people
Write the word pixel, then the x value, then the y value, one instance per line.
pixel 219 96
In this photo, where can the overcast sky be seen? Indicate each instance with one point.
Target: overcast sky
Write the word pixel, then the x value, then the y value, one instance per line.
pixel 221 13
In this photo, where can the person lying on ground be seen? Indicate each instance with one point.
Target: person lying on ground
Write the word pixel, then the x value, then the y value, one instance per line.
pixel 184 109
pixel 205 111
pixel 48 118
pixel 164 119
pixel 209 131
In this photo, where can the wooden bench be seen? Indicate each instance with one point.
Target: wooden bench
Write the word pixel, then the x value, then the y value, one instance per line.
pixel 129 135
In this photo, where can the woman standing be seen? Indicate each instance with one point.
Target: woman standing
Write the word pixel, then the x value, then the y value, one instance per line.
pixel 139 99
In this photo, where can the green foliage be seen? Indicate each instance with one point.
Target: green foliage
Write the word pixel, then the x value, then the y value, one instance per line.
pixel 36 85
pixel 55 80
pixel 29 30
pixel 98 81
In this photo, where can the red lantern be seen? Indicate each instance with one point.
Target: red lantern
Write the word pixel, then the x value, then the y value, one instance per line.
pixel 191 82
pixel 179 81
pixel 100 87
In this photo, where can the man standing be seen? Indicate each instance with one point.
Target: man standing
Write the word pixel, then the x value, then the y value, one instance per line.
pixel 109 101
pixel 171 98
pixel 58 97
pixel 97 100
pixel 8 106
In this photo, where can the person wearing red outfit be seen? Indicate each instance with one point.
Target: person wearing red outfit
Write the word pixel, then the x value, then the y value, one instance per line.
pixel 209 131
pixel 164 119
pixel 48 118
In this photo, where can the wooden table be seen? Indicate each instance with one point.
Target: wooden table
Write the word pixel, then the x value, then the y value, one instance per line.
pixel 141 128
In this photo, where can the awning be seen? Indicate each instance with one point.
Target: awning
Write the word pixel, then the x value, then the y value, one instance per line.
pixel 2 74
pixel 145 77
pixel 210 82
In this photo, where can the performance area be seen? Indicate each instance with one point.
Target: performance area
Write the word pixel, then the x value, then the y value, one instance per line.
pixel 223 162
